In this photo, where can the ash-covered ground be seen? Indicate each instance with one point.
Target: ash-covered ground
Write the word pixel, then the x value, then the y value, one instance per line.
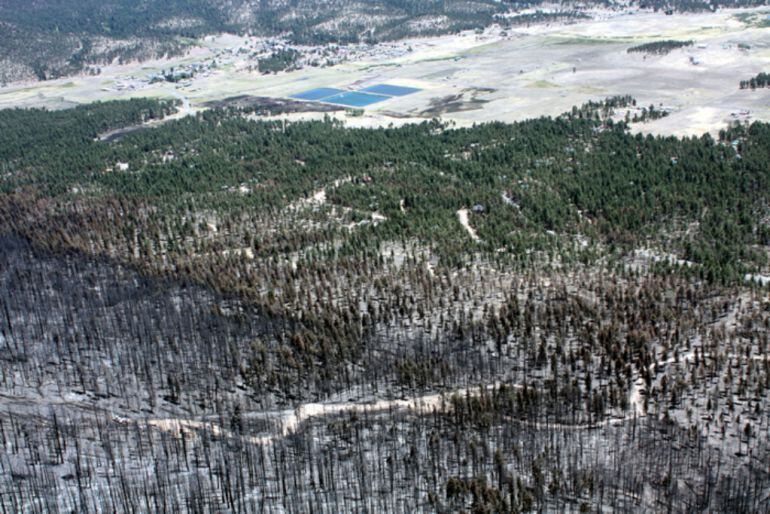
pixel 122 392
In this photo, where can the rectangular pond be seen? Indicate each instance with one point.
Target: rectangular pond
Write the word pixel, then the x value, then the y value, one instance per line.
pixel 390 90
pixel 318 93
pixel 355 99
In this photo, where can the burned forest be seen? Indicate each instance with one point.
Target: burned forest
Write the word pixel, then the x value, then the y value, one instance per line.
pixel 220 313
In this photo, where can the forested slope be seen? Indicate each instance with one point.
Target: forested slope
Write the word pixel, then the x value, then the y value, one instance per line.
pixel 541 184
pixel 262 313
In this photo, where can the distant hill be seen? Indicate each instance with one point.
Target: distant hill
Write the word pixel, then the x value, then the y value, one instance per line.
pixel 45 39
pixel 52 38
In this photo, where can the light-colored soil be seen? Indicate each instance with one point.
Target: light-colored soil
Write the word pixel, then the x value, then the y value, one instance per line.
pixel 462 215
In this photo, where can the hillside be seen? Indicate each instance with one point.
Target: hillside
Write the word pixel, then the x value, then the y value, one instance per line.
pixel 45 39
pixel 48 39
pixel 220 313
pixel 399 256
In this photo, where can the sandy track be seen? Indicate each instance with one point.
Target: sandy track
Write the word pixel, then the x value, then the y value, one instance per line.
pixel 288 421
pixel 462 215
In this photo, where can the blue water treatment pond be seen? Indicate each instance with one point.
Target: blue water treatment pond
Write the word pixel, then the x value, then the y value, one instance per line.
pixel 387 89
pixel 317 93
pixel 355 99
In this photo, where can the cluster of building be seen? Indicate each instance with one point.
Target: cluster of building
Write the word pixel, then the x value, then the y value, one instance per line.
pixel 181 73
pixel 312 55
